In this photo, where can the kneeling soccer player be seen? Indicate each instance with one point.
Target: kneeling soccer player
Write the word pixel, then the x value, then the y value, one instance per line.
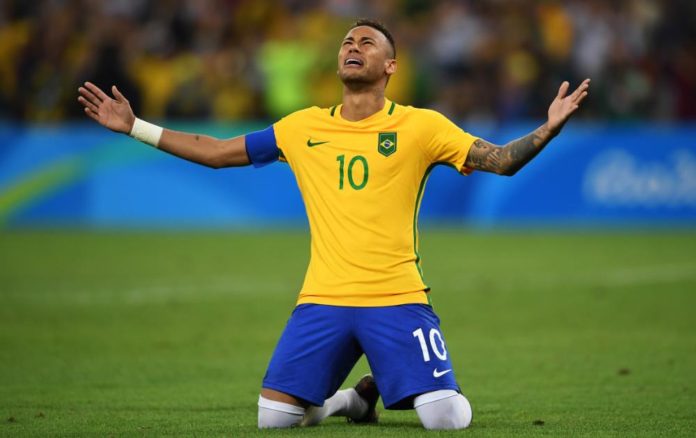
pixel 361 167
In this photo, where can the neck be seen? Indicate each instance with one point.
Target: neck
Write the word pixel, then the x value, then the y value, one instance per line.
pixel 360 104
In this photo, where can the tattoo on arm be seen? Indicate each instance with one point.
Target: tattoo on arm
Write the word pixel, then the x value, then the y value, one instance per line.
pixel 508 159
pixel 197 137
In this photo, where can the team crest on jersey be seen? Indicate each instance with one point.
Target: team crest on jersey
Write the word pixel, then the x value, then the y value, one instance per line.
pixel 386 143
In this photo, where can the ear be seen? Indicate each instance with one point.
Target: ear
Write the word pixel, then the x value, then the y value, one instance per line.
pixel 390 67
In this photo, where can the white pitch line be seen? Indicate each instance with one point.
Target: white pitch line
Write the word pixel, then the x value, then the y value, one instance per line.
pixel 617 277
pixel 653 274
pixel 220 287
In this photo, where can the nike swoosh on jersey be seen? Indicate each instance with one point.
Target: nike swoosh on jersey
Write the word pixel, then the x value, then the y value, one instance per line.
pixel 311 143
pixel 438 374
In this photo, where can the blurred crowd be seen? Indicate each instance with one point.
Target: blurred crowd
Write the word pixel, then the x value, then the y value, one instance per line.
pixel 249 59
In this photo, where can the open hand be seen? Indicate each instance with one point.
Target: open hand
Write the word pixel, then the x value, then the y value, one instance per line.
pixel 115 114
pixel 564 106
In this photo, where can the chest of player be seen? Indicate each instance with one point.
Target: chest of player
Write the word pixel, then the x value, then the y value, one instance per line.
pixel 365 160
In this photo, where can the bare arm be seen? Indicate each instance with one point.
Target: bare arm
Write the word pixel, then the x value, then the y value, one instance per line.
pixel 206 150
pixel 117 115
pixel 508 159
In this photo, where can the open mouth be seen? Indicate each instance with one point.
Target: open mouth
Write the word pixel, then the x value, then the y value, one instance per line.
pixel 353 61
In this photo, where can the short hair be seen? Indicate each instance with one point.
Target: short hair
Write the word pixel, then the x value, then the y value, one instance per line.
pixel 379 26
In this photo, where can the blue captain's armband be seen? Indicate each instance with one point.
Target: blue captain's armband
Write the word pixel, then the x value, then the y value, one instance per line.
pixel 261 147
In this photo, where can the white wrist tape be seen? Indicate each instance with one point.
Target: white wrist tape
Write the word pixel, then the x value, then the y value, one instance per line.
pixel 146 132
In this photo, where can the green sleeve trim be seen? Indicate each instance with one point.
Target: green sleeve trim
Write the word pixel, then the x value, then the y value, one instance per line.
pixel 416 211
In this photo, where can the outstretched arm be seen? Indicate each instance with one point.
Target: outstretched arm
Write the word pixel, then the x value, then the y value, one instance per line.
pixel 508 159
pixel 117 115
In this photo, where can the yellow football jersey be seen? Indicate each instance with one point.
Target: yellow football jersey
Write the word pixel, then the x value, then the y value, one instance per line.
pixel 362 184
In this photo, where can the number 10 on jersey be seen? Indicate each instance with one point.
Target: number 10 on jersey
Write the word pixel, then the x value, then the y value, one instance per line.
pixel 342 171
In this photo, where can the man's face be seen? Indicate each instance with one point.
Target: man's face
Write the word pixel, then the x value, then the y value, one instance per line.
pixel 365 57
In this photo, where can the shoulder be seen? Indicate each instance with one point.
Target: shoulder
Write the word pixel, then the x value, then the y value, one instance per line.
pixel 427 114
pixel 293 127
pixel 422 114
pixel 306 115
pixel 425 120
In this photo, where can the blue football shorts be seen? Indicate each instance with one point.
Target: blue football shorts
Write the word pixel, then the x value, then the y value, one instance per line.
pixel 320 345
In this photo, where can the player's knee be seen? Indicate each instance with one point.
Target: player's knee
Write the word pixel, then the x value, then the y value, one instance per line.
pixel 444 409
pixel 275 414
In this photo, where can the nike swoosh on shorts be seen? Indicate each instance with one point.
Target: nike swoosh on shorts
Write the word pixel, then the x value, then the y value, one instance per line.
pixel 438 374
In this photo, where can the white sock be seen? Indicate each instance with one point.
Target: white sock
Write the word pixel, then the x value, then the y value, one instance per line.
pixel 275 414
pixel 443 409
pixel 345 403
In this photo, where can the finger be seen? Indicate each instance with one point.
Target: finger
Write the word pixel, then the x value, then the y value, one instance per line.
pixel 119 96
pixel 88 104
pixel 562 90
pixel 89 95
pixel 584 86
pixel 579 93
pixel 580 99
pixel 91 114
pixel 96 90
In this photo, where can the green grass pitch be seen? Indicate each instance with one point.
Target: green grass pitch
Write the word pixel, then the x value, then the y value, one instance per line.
pixel 151 334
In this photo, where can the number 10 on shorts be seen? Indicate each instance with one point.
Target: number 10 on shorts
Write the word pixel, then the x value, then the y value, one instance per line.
pixel 439 350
